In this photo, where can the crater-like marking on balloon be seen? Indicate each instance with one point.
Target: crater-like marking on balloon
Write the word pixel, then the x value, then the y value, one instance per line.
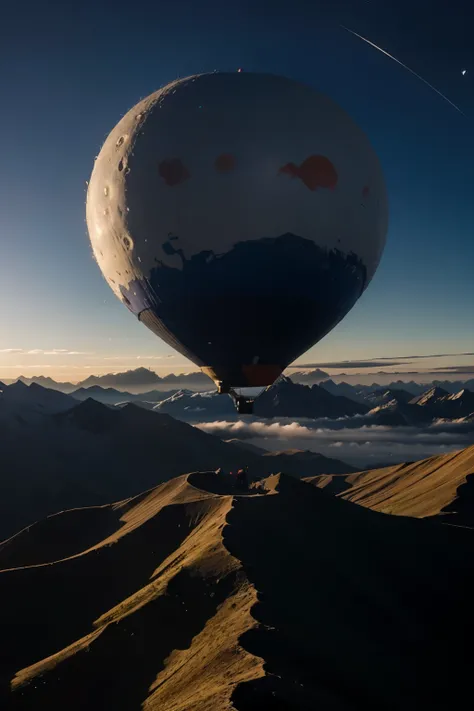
pixel 276 316
pixel 315 172
pixel 173 171
pixel 127 243
pixel 225 163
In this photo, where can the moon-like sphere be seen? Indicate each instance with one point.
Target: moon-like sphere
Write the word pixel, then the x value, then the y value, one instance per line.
pixel 238 216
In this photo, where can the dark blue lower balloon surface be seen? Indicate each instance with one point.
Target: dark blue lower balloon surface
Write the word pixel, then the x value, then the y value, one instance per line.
pixel 265 301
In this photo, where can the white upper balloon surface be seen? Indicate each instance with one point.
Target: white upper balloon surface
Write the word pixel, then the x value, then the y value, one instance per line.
pixel 215 159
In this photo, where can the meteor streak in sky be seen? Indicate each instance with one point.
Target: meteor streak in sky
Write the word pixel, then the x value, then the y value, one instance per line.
pixel 364 39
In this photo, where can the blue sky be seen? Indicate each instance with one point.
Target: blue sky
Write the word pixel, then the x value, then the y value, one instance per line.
pixel 68 74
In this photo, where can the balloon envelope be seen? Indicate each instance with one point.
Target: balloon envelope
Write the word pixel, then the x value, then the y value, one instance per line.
pixel 239 217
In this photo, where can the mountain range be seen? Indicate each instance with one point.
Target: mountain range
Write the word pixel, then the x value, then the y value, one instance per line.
pixel 142 380
pixel 434 404
pixel 386 407
pixel 20 403
pixel 136 381
pixel 393 406
pixel 361 391
pixel 310 377
pixel 283 399
pixel 58 453
pixel 112 396
pixel 288 399
pixel 194 596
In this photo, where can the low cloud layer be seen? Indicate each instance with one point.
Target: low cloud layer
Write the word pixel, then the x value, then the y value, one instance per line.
pixel 352 364
pixel 362 446
pixel 42 351
pixel 141 357
pixel 383 362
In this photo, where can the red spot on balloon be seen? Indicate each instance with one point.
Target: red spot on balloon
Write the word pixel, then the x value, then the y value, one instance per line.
pixel 173 171
pixel 366 191
pixel 225 162
pixel 315 172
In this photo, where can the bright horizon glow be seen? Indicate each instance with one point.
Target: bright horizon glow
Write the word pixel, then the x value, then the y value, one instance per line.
pixel 78 367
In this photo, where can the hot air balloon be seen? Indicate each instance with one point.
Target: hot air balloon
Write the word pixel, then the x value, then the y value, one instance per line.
pixel 239 216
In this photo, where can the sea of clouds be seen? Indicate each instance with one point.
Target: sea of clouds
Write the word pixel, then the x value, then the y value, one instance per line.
pixel 348 439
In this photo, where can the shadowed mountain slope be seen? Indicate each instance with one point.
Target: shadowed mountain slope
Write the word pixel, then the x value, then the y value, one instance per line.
pixel 182 599
pixel 93 454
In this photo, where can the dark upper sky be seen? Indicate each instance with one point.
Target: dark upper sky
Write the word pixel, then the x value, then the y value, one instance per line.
pixel 69 72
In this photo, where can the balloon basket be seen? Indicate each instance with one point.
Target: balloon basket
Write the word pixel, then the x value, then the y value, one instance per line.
pixel 243 405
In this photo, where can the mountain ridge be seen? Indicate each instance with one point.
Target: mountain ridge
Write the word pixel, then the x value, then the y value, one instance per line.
pixel 84 455
pixel 282 399
pixel 426 488
pixel 188 599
